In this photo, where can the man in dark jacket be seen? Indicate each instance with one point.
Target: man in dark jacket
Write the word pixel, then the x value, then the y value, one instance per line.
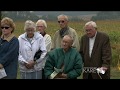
pixel 96 53
pixel 0 33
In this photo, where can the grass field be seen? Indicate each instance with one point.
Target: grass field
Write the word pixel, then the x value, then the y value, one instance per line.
pixel 115 74
pixel 112 28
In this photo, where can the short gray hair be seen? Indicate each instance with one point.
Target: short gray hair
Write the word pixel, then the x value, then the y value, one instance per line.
pixel 91 23
pixel 29 24
pixel 43 21
pixel 71 38
pixel 62 15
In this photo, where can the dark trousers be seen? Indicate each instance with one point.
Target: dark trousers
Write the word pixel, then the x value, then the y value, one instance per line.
pixel 90 76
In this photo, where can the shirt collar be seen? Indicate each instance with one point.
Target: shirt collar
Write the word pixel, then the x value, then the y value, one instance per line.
pixel 8 38
pixel 94 36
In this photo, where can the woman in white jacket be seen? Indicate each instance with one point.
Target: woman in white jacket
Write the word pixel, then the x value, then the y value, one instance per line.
pixel 30 42
pixel 41 26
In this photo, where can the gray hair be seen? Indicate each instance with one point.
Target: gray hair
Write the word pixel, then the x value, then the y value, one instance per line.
pixel 91 23
pixel 29 24
pixel 62 15
pixel 71 38
pixel 43 21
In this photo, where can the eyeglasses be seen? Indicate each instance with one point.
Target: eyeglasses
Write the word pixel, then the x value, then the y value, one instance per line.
pixel 61 21
pixel 5 27
pixel 39 26
pixel 30 30
pixel 88 30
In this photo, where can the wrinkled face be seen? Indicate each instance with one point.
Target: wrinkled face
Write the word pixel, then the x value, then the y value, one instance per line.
pixel 30 32
pixel 62 22
pixel 90 31
pixel 40 27
pixel 66 43
pixel 6 29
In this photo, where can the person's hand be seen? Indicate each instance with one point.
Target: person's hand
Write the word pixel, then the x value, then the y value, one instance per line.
pixel 104 68
pixel 1 66
pixel 64 75
pixel 30 64
pixel 101 70
pixel 61 76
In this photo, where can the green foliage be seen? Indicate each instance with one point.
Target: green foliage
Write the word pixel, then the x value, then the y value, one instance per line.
pixel 114 36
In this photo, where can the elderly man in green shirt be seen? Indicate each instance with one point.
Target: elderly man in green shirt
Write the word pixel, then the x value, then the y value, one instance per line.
pixel 64 62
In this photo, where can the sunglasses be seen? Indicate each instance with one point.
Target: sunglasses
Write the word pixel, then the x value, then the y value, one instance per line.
pixel 61 21
pixel 5 27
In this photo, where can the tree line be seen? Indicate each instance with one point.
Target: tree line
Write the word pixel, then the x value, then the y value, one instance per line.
pixel 25 15
pixel 107 15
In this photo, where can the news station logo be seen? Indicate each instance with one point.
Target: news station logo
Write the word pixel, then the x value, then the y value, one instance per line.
pixel 90 69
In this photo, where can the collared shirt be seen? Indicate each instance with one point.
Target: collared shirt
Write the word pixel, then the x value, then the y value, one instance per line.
pixel 9 51
pixel 91 44
pixel 9 38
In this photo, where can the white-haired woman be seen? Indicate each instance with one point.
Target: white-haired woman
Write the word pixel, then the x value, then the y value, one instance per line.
pixel 41 27
pixel 30 42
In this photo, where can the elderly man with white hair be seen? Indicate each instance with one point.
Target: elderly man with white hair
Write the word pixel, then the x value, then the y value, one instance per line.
pixel 64 62
pixel 30 42
pixel 65 29
pixel 96 53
